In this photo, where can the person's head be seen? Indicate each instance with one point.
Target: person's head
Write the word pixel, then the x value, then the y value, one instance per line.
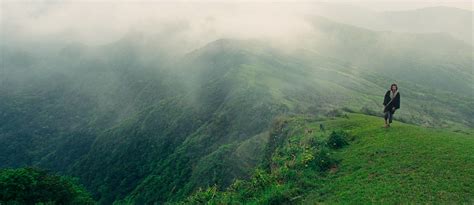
pixel 394 87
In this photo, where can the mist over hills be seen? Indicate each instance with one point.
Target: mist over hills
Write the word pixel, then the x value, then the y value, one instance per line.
pixel 140 121
pixel 441 19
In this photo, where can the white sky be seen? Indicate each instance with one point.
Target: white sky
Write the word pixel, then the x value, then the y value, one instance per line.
pixel 98 21
pixel 380 5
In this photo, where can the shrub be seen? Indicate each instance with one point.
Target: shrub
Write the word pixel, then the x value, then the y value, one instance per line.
pixel 323 160
pixel 317 141
pixel 337 139
pixel 203 196
pixel 260 180
pixel 335 113
pixel 279 195
pixel 36 186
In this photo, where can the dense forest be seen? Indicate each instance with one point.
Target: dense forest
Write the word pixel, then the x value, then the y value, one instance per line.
pixel 36 186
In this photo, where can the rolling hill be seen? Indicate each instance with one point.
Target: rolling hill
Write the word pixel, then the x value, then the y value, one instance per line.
pixel 138 129
pixel 355 160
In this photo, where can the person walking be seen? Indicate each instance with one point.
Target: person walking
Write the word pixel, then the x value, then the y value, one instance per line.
pixel 391 102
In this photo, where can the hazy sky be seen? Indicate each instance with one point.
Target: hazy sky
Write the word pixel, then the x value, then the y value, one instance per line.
pixel 385 5
pixel 374 4
pixel 102 21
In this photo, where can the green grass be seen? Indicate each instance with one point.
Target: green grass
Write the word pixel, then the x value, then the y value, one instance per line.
pixel 402 164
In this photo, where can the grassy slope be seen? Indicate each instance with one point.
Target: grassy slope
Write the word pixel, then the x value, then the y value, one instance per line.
pixel 403 164
pixel 237 92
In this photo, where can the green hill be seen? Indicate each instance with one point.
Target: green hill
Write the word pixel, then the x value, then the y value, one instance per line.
pixel 401 164
pixel 136 126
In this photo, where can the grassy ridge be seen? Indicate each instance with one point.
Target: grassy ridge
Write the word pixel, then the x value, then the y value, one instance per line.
pixel 403 164
pixel 148 132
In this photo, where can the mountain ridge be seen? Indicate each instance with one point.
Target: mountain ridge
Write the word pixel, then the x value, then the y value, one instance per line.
pixel 140 129
pixel 354 160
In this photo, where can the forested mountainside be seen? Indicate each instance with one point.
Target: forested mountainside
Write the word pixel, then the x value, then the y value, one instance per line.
pixel 37 186
pixel 138 124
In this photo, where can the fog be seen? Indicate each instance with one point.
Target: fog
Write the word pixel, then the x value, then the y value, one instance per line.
pixel 161 96
pixel 164 29
pixel 77 37
pixel 105 22
pixel 195 23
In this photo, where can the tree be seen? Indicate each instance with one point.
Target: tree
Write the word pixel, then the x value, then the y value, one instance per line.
pixel 34 186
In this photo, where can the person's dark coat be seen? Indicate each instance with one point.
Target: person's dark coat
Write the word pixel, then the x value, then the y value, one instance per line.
pixel 395 103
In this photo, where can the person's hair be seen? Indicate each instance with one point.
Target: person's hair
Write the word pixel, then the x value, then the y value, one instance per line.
pixel 396 86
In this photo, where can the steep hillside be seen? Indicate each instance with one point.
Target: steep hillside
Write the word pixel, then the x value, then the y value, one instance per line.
pixel 355 160
pixel 137 127
pixel 235 90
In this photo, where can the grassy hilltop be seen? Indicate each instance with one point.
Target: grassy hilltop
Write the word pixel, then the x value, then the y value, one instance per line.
pixel 402 164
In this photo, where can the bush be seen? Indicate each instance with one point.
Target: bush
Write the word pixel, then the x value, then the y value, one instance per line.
pixel 335 113
pixel 323 160
pixel 338 139
pixel 36 186
pixel 202 196
pixel 279 195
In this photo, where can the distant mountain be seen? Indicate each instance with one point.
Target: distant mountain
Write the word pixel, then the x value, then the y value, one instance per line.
pixel 453 21
pixel 141 129
pixel 425 59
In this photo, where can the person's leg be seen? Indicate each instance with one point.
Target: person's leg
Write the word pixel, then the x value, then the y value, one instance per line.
pixel 386 118
pixel 390 117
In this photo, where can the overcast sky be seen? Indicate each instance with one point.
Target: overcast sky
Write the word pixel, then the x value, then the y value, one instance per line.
pixel 380 5
pixel 104 21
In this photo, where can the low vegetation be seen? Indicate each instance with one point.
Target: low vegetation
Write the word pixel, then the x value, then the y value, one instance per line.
pixel 357 162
